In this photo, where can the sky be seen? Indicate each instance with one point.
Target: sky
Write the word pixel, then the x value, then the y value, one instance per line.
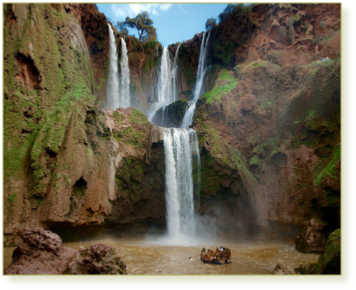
pixel 173 22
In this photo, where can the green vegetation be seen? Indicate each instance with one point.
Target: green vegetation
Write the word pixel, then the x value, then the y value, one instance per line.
pixel 129 178
pixel 40 107
pixel 220 90
pixel 254 160
pixel 330 169
pixel 138 117
pixel 11 199
pixel 131 136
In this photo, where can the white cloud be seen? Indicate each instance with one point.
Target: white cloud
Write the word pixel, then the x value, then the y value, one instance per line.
pixel 131 10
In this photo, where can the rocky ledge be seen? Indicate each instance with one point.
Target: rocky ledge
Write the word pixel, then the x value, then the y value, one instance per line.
pixel 42 252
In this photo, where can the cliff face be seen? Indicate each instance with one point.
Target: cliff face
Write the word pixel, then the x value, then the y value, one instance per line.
pixel 268 124
pixel 270 128
pixel 63 154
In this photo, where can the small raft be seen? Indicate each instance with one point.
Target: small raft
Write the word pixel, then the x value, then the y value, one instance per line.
pixel 218 257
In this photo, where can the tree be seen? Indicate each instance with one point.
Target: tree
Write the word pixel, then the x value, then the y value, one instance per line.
pixel 210 23
pixel 121 28
pixel 142 22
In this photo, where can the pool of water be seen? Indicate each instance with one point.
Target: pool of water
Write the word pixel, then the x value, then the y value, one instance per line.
pixel 159 257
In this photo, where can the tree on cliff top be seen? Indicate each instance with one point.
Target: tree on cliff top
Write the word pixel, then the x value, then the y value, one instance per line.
pixel 210 23
pixel 143 23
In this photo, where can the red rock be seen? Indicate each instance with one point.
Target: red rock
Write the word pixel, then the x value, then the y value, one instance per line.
pixel 42 252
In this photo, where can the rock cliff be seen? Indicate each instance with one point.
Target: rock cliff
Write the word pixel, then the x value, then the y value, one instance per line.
pixel 65 157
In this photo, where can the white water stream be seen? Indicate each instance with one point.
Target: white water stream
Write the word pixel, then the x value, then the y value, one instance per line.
pixel 188 116
pixel 179 147
pixel 112 90
pixel 125 100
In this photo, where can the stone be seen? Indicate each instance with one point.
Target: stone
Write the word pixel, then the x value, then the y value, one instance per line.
pixel 283 269
pixel 42 252
pixel 329 261
pixel 97 259
pixel 311 240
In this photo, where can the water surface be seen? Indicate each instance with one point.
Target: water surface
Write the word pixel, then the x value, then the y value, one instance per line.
pixel 149 257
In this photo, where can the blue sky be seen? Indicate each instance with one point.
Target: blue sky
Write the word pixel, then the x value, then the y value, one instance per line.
pixel 173 22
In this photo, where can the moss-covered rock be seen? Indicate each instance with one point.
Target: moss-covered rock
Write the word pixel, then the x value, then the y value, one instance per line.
pixel 171 115
pixel 329 261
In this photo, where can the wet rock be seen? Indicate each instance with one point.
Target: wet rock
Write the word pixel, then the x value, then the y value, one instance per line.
pixel 311 240
pixel 97 259
pixel 329 261
pixel 283 269
pixel 42 252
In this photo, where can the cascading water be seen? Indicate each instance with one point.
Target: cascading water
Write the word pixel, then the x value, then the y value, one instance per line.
pixel 188 116
pixel 164 85
pixel 125 100
pixel 182 154
pixel 175 74
pixel 179 147
pixel 112 90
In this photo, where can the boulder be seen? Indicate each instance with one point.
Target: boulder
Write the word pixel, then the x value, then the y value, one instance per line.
pixel 311 240
pixel 283 269
pixel 42 252
pixel 329 261
pixel 97 259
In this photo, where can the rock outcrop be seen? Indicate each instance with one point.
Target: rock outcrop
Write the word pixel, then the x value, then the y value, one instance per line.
pixel 311 239
pixel 64 156
pixel 97 259
pixel 42 252
pixel 329 261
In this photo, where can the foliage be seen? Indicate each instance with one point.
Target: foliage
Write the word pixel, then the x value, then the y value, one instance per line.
pixel 144 25
pixel 330 169
pixel 12 198
pixel 210 23
pixel 236 10
pixel 219 90
pixel 122 29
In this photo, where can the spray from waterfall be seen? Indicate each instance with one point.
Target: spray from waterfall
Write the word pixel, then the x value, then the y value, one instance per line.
pixel 125 100
pixel 112 90
pixel 188 116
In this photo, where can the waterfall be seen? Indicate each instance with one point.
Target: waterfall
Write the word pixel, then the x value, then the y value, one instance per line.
pixel 164 92
pixel 179 147
pixel 125 100
pixel 188 116
pixel 167 83
pixel 175 74
pixel 112 90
